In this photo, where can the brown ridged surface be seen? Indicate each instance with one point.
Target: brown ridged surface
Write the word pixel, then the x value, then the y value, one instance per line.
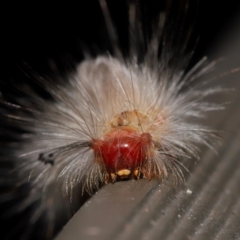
pixel 207 207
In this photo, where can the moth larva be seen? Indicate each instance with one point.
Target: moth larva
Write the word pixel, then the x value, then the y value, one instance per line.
pixel 118 116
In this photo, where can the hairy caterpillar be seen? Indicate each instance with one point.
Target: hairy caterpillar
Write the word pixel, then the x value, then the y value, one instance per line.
pixel 120 115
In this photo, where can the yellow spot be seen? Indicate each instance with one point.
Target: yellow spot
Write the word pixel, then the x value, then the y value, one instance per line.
pixel 136 172
pixel 113 176
pixel 123 172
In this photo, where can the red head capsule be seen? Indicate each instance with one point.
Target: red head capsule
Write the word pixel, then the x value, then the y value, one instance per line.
pixel 123 152
pixel 125 149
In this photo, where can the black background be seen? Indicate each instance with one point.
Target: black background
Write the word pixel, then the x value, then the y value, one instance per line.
pixel 38 32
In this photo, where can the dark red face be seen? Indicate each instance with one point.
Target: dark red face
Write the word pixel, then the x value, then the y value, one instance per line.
pixel 123 150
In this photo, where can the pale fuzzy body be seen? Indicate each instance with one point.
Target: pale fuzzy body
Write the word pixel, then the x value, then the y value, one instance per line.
pixel 54 155
pixel 85 108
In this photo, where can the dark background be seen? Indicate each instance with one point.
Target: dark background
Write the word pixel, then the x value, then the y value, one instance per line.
pixel 38 32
